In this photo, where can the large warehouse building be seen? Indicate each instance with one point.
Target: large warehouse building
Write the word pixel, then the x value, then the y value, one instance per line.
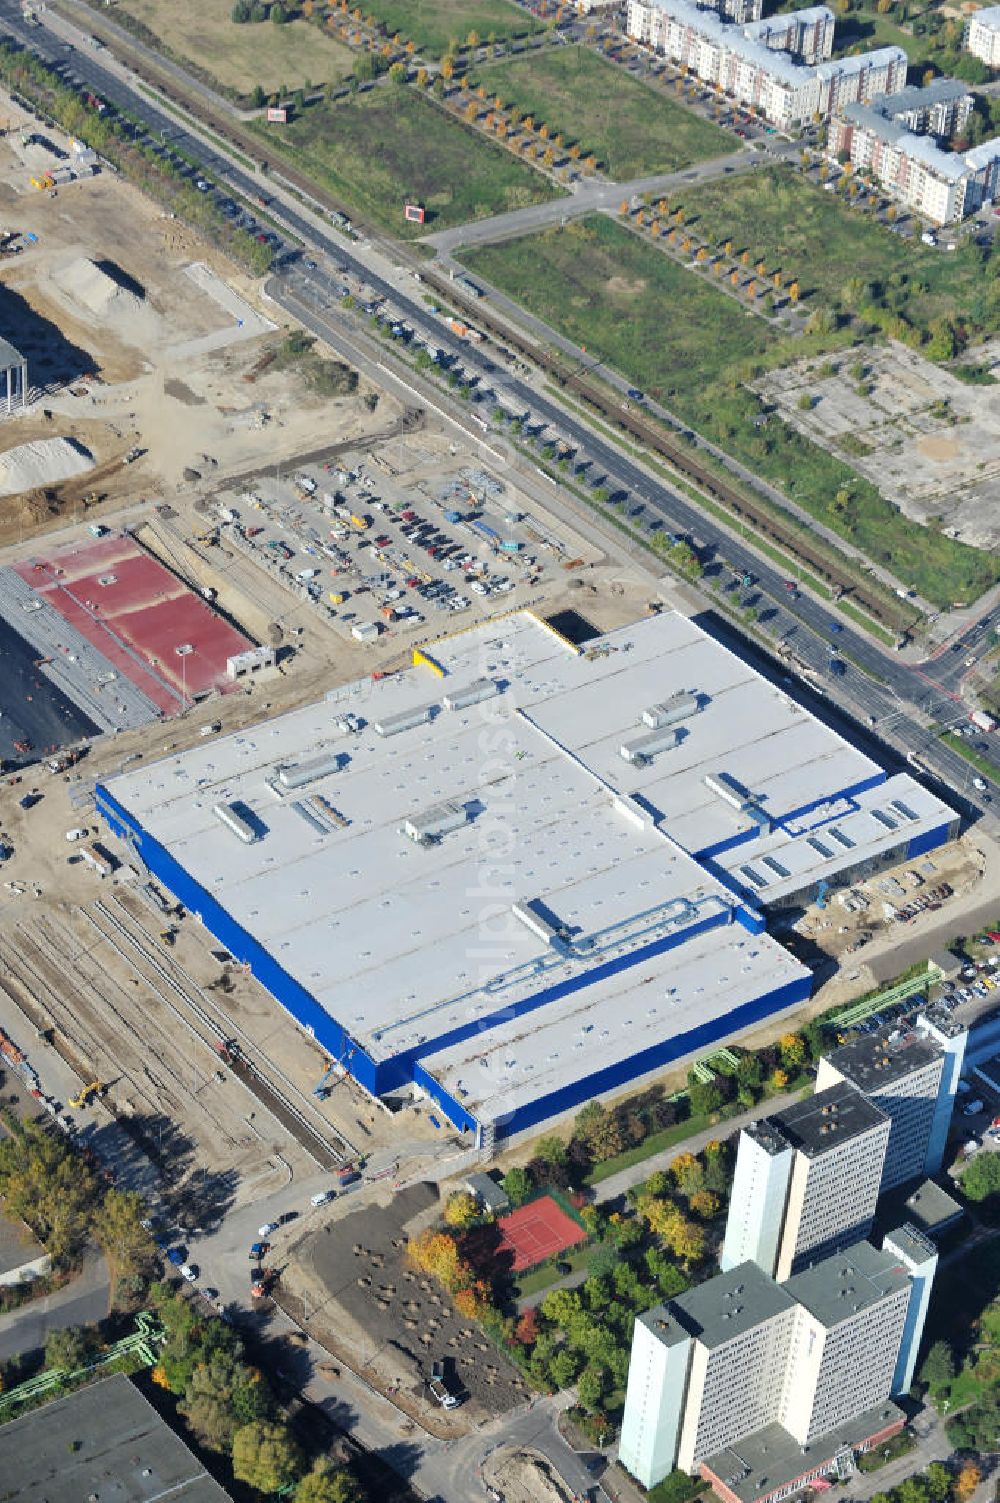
pixel 520 874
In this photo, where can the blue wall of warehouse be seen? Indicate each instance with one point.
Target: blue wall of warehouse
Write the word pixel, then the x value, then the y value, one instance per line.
pixel 745 837
pixel 242 946
pixel 927 842
pixel 654 1058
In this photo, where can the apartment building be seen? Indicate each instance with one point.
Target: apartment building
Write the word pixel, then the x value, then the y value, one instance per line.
pixel 806 34
pixel 918 1255
pixel 901 1071
pixel 759 73
pixel 940 109
pixel 745 1366
pixel 896 138
pixel 806 1181
pixel 982 35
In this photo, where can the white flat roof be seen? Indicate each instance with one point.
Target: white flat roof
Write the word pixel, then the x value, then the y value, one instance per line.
pixel 403 942
pixel 532 1055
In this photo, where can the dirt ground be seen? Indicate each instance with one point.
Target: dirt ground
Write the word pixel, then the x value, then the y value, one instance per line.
pixel 362 1300
pixel 168 367
pixel 522 1476
pixel 930 442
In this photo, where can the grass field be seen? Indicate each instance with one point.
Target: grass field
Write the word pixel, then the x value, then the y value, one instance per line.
pixel 390 146
pixel 432 24
pixel 818 240
pixel 632 129
pixel 201 32
pixel 689 345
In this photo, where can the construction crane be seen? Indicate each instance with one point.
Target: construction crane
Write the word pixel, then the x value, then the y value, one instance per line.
pixel 85 1096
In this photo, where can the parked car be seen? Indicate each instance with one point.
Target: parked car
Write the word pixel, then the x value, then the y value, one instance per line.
pixel 189 1271
pixel 267 1228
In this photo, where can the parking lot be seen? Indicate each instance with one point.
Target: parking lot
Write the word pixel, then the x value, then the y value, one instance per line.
pixel 403 540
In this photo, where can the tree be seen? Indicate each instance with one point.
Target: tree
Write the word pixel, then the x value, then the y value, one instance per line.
pixel 517 1185
pixel 966 1482
pixel 422 77
pixel 461 1209
pixel 328 1484
pixel 981 1179
pixel 69 1348
pixel 551 1150
pixel 687 1174
pixel 117 1226
pixel 938 1480
pixel 590 1388
pixel 472 40
pixel 437 1253
pixel 705 1097
pixel 240 12
pixel 279 14
pixel 527 1329
pixel 563 1368
pixel 265 1456
pixel 398 73
pixel 938 1366
pixel 448 68
pixel 704 1204
pixel 793 1051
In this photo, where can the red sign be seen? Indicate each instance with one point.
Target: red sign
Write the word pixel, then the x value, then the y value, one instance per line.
pixel 414 213
pixel 277 115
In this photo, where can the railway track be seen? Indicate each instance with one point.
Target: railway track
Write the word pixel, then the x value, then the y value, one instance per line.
pixel 211 1027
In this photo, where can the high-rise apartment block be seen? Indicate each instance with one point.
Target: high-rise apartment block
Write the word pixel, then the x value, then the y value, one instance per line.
pixel 806 1181
pixel 910 1075
pixel 797 1370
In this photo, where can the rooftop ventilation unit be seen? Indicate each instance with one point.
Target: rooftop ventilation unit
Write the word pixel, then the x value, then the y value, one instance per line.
pixel 728 789
pixel 669 711
pixel 470 694
pixel 229 815
pixel 391 725
pixel 424 829
pixel 534 917
pixel 297 774
pixel 640 751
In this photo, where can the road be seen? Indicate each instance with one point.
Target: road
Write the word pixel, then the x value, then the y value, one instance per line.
pixel 903 701
pixel 590 196
pixel 80 1303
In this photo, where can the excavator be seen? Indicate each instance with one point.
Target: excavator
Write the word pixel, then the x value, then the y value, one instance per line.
pixel 87 1094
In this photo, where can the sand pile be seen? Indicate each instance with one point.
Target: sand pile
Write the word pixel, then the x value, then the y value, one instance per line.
pixel 88 284
pixel 43 462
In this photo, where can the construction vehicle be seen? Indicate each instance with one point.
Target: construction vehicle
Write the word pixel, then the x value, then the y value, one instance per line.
pixel 86 1095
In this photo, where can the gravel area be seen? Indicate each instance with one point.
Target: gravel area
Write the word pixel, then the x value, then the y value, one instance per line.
pixel 400 1320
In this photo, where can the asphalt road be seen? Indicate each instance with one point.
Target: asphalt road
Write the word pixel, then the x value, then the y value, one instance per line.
pixel 80 1303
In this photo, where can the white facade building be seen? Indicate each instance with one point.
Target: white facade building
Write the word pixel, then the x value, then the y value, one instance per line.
pixel 911 1075
pixel 806 1181
pixel 737 63
pixel 744 1356
pixel 806 34
pixel 943 186
pixel 982 35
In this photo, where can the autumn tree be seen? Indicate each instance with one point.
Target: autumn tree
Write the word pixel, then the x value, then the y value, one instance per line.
pixel 793 1051
pixel 265 1456
pixel 448 68
pixel 687 1173
pixel 966 1482
pixel 461 1209
pixel 526 1331
pixel 328 1484
pixel 704 1204
pixel 437 1253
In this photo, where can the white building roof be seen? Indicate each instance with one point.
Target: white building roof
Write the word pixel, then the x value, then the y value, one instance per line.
pixel 402 941
pixel 978 157
pixel 989 16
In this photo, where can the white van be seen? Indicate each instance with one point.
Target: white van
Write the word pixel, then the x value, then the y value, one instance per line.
pixel 77 834
pixel 321 1198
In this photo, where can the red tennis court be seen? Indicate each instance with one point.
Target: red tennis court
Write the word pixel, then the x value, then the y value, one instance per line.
pixel 149 625
pixel 538 1231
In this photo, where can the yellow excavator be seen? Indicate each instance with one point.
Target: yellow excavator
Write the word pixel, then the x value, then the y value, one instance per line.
pixel 87 1094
